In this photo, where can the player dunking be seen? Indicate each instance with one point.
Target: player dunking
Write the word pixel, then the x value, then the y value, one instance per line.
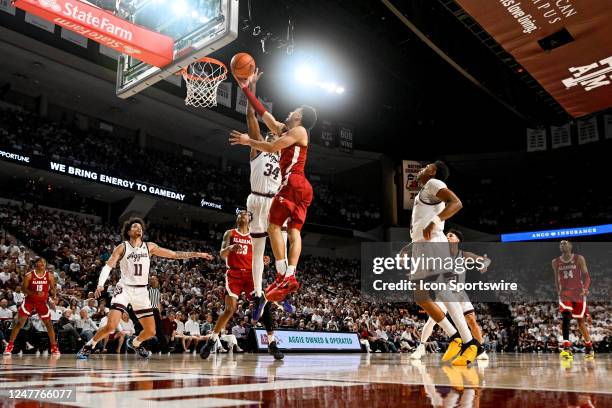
pixel 237 250
pixel 572 280
pixel 134 260
pixel 292 200
pixel 265 183
pixel 37 286
pixel 434 204
pixel 454 238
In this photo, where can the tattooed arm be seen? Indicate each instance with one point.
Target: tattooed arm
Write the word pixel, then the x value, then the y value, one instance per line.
pixel 156 250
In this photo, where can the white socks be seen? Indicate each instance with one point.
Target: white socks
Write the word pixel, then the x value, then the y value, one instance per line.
pixel 290 271
pixel 259 246
pixel 448 328
pixel 427 330
pixel 281 266
pixel 456 313
pixel 271 338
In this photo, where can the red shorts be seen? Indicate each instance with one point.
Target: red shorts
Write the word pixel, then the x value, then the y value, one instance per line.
pixel 575 304
pixel 291 202
pixel 238 281
pixel 31 306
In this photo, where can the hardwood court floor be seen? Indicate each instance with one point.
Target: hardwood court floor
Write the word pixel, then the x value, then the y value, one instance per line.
pixel 309 380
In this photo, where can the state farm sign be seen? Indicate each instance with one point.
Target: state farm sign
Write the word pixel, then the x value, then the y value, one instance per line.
pixel 104 28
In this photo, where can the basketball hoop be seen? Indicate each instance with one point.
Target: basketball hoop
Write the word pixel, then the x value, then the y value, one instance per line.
pixel 203 78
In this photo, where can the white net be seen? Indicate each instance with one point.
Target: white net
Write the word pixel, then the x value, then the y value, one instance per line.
pixel 203 78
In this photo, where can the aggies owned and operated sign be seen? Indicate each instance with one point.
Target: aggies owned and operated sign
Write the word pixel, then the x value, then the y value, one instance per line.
pixel 577 74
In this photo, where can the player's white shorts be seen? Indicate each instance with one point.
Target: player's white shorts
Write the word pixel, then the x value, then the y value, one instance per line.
pixel 137 296
pixel 436 250
pixel 259 207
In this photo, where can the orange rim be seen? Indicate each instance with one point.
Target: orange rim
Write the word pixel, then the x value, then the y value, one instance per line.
pixel 186 74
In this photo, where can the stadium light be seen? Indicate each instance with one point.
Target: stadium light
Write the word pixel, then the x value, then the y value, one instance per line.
pixel 305 74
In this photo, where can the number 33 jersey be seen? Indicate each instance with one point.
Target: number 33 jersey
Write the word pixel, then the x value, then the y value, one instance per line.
pixel 265 173
pixel 241 258
pixel 135 265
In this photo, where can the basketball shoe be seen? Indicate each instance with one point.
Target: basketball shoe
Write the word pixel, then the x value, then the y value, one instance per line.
pixel 287 286
pixel 566 353
pixel 9 349
pixel 419 352
pixel 469 352
pixel 55 350
pixel 589 354
pixel 454 347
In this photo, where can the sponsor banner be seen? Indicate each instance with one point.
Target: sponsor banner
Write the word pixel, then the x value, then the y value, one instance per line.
pixel 298 340
pixel 40 22
pixel 105 28
pixel 410 169
pixel 345 138
pixel 561 136
pixel 587 131
pixel 95 176
pixel 328 138
pixel 608 125
pixel 7 6
pixel 576 67
pixel 536 140
pixel 74 38
pixel 558 233
pixel 224 94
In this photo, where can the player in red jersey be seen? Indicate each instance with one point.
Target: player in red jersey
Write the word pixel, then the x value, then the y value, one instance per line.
pixel 572 281
pixel 37 286
pixel 295 195
pixel 237 250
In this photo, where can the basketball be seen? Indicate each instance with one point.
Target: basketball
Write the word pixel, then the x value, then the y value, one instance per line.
pixel 242 65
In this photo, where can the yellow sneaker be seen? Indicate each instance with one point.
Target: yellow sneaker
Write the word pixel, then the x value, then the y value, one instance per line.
pixel 454 348
pixel 566 355
pixel 468 355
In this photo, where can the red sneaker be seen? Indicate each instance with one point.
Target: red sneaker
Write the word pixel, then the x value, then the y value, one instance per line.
pixel 8 350
pixel 287 286
pixel 55 350
pixel 274 285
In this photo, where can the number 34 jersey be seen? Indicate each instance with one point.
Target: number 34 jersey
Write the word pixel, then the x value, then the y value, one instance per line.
pixel 265 173
pixel 135 265
pixel 243 257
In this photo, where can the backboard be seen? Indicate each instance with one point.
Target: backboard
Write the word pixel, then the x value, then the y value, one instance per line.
pixel 198 28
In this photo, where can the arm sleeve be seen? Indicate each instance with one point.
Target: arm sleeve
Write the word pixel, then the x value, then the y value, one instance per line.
pixel 106 270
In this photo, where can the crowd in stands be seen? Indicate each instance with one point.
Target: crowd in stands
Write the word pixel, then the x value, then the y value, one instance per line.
pixel 27 133
pixel 76 247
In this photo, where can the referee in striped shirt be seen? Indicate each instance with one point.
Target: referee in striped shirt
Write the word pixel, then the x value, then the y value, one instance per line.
pixel 155 297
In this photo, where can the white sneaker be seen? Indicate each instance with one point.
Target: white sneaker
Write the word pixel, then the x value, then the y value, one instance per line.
pixel 419 352
pixel 483 356
pixel 45 353
pixel 239 350
pixel 37 353
pixel 29 346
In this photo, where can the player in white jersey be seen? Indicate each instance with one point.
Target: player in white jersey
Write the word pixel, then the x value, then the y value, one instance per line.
pixel 434 204
pixel 134 260
pixel 454 237
pixel 265 183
